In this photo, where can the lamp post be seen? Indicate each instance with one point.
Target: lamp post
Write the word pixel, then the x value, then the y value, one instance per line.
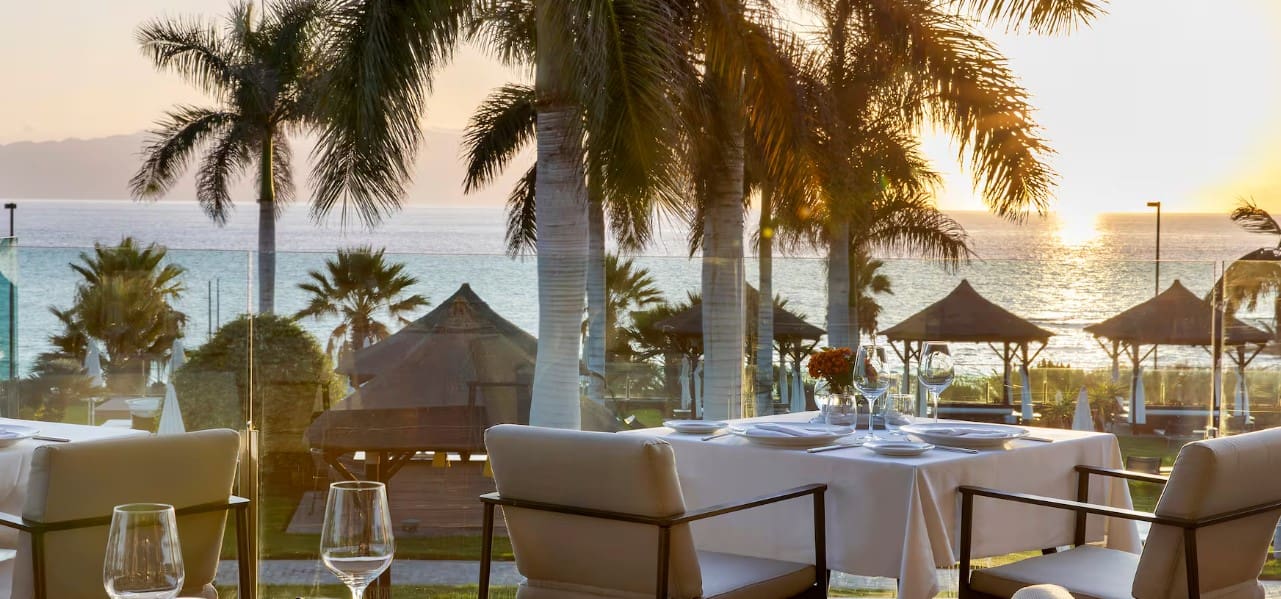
pixel 11 409
pixel 1156 286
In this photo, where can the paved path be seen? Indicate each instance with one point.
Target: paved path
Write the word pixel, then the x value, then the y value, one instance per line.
pixel 445 572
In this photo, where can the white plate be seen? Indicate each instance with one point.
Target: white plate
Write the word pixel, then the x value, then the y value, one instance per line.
pixel 695 427
pixel 897 448
pixel 822 434
pixel 965 434
pixel 12 433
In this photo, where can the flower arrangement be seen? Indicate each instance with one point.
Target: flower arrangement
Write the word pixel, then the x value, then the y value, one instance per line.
pixel 834 365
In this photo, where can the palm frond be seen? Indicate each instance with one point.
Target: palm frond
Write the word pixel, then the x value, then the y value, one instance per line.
pixel 1254 219
pixel 522 226
pixel 225 162
pixel 191 49
pixel 1041 16
pixel 381 57
pixel 506 29
pixel 971 92
pixel 282 172
pixel 496 132
pixel 170 146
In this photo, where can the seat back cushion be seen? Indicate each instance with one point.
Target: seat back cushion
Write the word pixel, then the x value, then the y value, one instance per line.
pixel 1209 478
pixel 631 474
pixel 88 479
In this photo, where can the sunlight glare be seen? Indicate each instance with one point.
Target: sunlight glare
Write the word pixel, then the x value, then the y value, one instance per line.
pixel 1076 229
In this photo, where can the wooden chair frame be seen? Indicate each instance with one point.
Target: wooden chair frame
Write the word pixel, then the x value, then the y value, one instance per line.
pixel 1084 509
pixel 38 529
pixel 664 525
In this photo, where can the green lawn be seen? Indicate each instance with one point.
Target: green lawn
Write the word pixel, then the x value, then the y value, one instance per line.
pixel 276 544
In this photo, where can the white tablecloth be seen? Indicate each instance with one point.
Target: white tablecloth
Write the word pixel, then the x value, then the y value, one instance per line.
pixel 15 463
pixel 896 517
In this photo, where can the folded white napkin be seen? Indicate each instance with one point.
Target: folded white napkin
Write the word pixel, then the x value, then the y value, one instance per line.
pixel 773 429
pixel 970 432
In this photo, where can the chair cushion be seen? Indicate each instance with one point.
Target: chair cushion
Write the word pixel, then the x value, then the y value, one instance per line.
pixel 1043 591
pixel 1213 477
pixel 1087 572
pixel 727 576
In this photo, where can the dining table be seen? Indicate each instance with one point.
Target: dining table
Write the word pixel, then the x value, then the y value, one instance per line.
pixel 15 462
pixel 895 517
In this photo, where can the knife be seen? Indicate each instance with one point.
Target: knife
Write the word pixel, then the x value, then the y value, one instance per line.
pixel 831 447
pixel 956 449
pixel 717 436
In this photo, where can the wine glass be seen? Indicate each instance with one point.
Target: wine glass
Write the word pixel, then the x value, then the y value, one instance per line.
pixel 936 372
pixel 144 560
pixel 871 379
pixel 356 543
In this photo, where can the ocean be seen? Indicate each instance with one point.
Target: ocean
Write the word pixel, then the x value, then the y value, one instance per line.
pixel 1061 274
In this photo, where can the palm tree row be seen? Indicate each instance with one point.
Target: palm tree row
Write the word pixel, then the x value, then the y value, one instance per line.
pixel 687 106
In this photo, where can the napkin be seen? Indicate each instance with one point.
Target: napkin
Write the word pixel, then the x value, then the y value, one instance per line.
pixel 770 429
pixel 970 432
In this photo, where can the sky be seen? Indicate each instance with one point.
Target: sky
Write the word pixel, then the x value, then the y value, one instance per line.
pixel 1158 100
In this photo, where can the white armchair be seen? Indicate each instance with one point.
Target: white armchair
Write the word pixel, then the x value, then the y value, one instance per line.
pixel 601 515
pixel 75 486
pixel 1221 502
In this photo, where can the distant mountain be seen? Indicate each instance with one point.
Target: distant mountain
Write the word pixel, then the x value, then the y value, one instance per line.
pixel 100 169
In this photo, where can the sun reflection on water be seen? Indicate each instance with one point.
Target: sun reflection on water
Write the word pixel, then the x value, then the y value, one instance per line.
pixel 1077 230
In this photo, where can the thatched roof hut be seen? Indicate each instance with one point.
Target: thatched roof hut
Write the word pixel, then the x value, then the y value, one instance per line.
pixel 964 316
pixel 1175 317
pixel 437 384
pixel 373 360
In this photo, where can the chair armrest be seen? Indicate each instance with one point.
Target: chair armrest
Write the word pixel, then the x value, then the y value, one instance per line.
pixel 1074 506
pixel 664 521
pixel 1126 474
pixel 15 521
pixel 725 508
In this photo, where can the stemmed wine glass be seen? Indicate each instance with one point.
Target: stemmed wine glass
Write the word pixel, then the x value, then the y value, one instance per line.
pixel 144 559
pixel 871 380
pixel 356 542
pixel 936 372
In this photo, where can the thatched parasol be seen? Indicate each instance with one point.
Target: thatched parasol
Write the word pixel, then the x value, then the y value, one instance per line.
pixel 1176 316
pixel 964 316
pixel 373 360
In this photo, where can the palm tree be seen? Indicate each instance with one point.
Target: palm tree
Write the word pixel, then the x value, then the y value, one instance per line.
pixel 893 67
pixel 867 282
pixel 628 289
pixel 262 73
pixel 601 85
pixel 124 301
pixel 1257 274
pixel 358 287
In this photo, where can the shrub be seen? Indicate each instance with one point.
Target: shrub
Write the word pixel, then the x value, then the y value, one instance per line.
pixel 290 371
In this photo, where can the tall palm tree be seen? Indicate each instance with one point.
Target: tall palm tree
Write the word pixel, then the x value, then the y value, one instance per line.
pixel 262 73
pixel 867 282
pixel 743 109
pixel 124 300
pixel 893 67
pixel 359 286
pixel 603 74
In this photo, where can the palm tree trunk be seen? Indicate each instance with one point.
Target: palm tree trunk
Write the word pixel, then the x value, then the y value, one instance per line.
pixel 595 346
pixel 838 285
pixel 561 213
pixel 723 310
pixel 764 382
pixel 267 230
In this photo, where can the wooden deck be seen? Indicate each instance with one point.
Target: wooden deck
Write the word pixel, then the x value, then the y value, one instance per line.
pixel 442 500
